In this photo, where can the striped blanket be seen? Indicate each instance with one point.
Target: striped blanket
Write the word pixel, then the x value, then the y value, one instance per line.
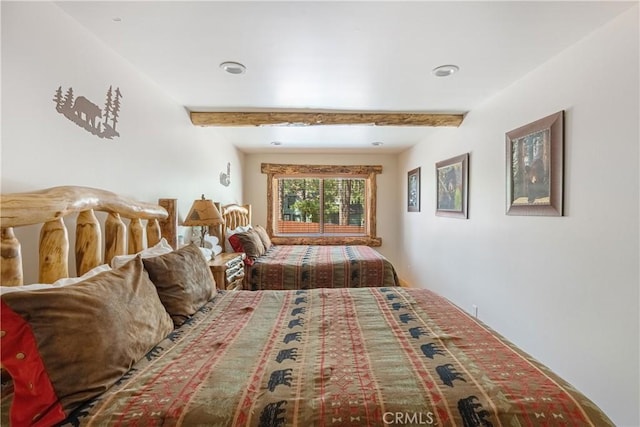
pixel 304 267
pixel 339 357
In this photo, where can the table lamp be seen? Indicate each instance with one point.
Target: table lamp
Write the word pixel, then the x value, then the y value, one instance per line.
pixel 203 213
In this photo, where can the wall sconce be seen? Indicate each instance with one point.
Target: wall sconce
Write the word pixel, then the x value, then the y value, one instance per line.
pixel 203 213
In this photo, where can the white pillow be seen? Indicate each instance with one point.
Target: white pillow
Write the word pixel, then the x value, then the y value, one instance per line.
pixel 71 280
pixel 207 253
pixel 58 283
pixel 229 232
pixel 211 243
pixel 216 249
pixel 160 248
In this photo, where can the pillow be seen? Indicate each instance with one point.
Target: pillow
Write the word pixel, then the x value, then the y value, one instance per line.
pixel 264 237
pixel 229 232
pixel 211 243
pixel 60 282
pixel 248 242
pixel 65 345
pixel 160 248
pixel 236 246
pixel 206 253
pixel 183 279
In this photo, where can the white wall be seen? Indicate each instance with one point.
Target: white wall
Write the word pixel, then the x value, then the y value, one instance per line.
pixel 255 191
pixel 159 154
pixel 564 289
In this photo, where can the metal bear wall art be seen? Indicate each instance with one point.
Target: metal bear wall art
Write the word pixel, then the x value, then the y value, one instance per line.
pixel 88 115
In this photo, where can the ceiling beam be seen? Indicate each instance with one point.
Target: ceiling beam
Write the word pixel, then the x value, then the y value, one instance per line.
pixel 314 118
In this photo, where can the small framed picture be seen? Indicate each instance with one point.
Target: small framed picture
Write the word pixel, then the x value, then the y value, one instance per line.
pixel 535 167
pixel 452 186
pixel 413 190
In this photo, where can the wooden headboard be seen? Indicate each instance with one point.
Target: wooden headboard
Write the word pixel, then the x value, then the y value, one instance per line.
pixel 234 216
pixel 50 206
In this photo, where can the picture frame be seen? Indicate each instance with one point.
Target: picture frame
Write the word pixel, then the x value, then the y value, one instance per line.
pixel 413 190
pixel 452 187
pixel 535 163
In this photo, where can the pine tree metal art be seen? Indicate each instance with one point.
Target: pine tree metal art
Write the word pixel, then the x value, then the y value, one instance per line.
pixel 88 115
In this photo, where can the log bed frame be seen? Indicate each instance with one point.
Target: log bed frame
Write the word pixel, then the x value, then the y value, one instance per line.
pixel 234 216
pixel 50 206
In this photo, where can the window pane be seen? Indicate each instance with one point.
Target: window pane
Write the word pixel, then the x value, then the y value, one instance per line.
pixel 344 206
pixel 299 202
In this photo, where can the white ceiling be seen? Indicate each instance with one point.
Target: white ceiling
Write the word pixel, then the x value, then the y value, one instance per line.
pixel 333 55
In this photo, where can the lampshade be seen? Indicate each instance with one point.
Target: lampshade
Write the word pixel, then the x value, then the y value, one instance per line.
pixel 203 212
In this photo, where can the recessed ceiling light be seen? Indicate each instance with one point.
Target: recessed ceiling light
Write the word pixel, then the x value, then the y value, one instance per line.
pixel 233 67
pixel 377 143
pixel 276 143
pixel 445 70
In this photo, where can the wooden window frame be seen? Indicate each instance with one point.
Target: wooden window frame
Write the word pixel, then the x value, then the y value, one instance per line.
pixel 367 172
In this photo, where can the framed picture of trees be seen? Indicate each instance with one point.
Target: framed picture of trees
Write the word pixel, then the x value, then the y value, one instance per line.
pixel 534 157
pixel 452 177
pixel 413 190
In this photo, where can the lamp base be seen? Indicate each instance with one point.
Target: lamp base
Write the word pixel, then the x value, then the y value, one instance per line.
pixel 203 232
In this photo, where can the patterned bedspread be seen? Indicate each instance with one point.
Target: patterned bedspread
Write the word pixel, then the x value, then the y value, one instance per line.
pixel 304 267
pixel 339 357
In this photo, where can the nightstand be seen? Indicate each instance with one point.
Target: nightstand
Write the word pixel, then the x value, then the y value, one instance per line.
pixel 228 270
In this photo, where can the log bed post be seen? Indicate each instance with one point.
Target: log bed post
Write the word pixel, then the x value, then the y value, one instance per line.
pixel 11 266
pixel 88 242
pixel 54 251
pixel 136 236
pixel 169 225
pixel 115 239
pixel 153 232
pixel 218 230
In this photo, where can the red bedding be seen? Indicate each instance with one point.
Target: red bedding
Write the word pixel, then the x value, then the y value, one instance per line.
pixel 344 357
pixel 303 267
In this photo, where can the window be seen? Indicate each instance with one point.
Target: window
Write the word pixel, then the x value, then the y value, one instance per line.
pixel 322 204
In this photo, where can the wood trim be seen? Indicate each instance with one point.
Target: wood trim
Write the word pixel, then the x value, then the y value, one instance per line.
pixel 316 118
pixel 368 172
pixel 372 196
pixel 333 170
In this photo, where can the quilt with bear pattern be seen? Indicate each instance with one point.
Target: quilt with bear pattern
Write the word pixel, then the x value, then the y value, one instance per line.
pixel 337 357
pixel 310 266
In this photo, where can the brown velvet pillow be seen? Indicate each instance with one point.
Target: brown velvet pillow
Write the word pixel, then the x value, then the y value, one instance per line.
pixel 251 243
pixel 65 345
pixel 264 237
pixel 183 279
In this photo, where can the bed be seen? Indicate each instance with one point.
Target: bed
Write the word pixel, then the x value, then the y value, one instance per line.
pixel 122 348
pixel 280 267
